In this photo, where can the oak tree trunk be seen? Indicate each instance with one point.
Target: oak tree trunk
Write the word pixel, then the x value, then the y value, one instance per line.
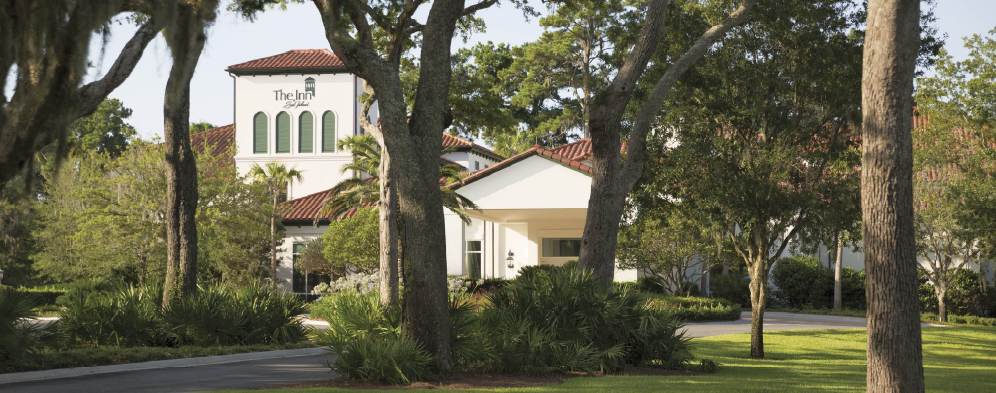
pixel 388 231
pixel 185 38
pixel 838 301
pixel 758 301
pixel 895 361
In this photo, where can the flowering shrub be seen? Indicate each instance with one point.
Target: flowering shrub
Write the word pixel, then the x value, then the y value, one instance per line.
pixel 362 283
pixel 367 283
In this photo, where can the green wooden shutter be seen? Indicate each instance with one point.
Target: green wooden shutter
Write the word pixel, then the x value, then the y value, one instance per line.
pixel 328 132
pixel 306 132
pixel 259 133
pixel 283 132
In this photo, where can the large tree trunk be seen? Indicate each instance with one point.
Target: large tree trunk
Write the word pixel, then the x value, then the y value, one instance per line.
pixel 895 360
pixel 388 231
pixel 838 301
pixel 758 301
pixel 185 38
pixel 605 208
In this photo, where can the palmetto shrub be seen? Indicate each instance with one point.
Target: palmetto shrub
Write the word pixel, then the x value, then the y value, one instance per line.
pixel 122 315
pixel 18 334
pixel 245 316
pixel 367 341
pixel 560 319
pixel 99 313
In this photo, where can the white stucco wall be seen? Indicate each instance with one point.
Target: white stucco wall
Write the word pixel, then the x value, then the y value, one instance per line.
pixel 285 255
pixel 533 183
pixel 333 92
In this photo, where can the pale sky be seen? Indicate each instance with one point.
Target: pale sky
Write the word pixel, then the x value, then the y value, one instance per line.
pixel 233 40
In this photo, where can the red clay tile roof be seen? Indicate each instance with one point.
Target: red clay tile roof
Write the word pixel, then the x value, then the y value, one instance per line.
pixel 308 207
pixel 292 61
pixel 221 141
pixel 536 150
pixel 462 144
pixel 579 150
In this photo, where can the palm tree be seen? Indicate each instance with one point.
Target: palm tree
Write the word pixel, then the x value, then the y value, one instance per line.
pixel 357 191
pixel 275 177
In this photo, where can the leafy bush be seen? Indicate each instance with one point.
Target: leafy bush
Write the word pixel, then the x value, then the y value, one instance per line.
pixel 733 287
pixel 966 295
pixel 368 343
pixel 250 315
pixel 559 319
pixel 123 316
pixel 650 284
pixel 691 309
pixel 128 316
pixel 801 281
pixel 18 334
pixel 488 285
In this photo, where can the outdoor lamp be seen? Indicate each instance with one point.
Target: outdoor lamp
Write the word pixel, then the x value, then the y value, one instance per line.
pixel 510 260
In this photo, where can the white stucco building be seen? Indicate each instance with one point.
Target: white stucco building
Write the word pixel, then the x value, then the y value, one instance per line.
pixel 293 107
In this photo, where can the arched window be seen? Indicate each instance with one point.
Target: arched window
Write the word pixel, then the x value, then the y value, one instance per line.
pixel 283 132
pixel 259 133
pixel 306 132
pixel 328 132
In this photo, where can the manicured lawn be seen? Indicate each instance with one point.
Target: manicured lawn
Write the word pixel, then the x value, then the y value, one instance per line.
pixel 957 359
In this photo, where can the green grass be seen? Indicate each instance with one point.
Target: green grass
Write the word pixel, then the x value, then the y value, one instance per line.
pixel 957 359
pixel 926 317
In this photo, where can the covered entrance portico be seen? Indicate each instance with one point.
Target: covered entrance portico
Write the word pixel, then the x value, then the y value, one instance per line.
pixel 532 208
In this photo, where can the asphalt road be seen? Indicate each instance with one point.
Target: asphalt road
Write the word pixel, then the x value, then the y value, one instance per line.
pixel 285 371
pixel 774 321
pixel 241 375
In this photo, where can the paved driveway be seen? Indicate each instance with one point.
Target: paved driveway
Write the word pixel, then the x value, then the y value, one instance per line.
pixel 241 375
pixel 285 371
pixel 774 321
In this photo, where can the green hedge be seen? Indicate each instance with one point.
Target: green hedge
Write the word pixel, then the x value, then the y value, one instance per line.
pixel 697 309
pixel 960 319
pixel 46 295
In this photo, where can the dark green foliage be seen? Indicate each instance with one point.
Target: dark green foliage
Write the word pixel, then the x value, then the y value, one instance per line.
pixel 960 319
pixel 18 335
pixel 697 309
pixel 98 313
pixel 367 341
pixel 123 316
pixel 734 287
pixel 250 315
pixel 650 284
pixel 800 281
pixel 488 285
pixel 558 319
pixel 966 296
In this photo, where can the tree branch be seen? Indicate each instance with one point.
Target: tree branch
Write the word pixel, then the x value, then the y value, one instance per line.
pixel 93 93
pixel 636 149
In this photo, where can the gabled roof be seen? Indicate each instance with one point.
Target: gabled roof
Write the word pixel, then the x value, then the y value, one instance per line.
pixel 580 149
pixel 296 60
pixel 464 145
pixel 536 150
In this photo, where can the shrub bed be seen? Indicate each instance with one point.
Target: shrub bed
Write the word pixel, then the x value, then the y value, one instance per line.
pixel 46 296
pixel 959 319
pixel 696 309
pixel 127 316
pixel 547 320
